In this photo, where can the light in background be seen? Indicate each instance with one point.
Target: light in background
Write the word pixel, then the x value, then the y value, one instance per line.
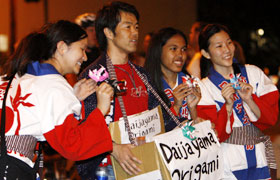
pixel 3 43
pixel 260 32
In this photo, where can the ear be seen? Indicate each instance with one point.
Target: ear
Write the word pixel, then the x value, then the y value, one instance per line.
pixel 61 47
pixel 108 33
pixel 205 54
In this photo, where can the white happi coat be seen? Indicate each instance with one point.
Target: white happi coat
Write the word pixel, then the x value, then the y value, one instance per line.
pixel 265 95
pixel 41 103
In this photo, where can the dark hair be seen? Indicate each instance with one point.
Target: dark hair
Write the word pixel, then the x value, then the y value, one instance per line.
pixel 153 59
pixel 109 17
pixel 41 45
pixel 203 40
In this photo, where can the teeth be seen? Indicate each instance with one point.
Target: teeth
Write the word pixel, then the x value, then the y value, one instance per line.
pixel 79 63
pixel 227 57
pixel 178 62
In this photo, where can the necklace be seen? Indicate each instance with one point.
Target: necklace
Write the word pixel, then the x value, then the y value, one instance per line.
pixel 131 77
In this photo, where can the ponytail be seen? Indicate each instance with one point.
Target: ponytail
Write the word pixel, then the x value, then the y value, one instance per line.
pixel 31 48
pixel 205 65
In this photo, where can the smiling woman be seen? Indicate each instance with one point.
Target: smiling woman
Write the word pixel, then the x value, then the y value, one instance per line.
pixel 251 103
pixel 42 106
pixel 165 59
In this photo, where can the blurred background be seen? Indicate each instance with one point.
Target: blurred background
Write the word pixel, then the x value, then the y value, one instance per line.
pixel 254 24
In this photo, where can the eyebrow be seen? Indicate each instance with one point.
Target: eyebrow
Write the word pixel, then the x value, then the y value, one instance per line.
pixel 171 45
pixel 129 22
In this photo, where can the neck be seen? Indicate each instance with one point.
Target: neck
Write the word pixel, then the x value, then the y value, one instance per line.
pixel 56 65
pixel 117 56
pixel 225 71
pixel 170 78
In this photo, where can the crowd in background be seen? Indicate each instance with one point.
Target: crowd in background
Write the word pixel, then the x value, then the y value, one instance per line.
pixel 109 39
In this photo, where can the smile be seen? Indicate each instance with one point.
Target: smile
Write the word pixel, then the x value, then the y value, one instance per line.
pixel 178 63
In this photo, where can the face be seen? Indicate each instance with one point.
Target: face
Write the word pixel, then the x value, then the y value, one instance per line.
pixel 92 41
pixel 126 34
pixel 173 55
pixel 220 51
pixel 74 56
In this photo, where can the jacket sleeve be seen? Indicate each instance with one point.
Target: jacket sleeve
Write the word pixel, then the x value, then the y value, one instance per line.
pixel 77 141
pixel 218 117
pixel 209 110
pixel 266 97
pixel 62 128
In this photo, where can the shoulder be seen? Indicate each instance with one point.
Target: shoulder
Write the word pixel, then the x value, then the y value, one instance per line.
pixel 207 83
pixel 253 70
pixel 252 67
pixel 47 83
pixel 139 68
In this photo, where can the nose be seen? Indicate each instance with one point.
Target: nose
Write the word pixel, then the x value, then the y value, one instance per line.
pixel 226 48
pixel 135 31
pixel 181 53
pixel 85 56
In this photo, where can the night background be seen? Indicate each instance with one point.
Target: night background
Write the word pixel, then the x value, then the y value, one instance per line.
pixel 244 18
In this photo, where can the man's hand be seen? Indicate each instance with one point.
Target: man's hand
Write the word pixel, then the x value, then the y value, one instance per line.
pixel 122 153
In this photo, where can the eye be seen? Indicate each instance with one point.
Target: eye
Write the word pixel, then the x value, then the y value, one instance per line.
pixel 229 42
pixel 184 49
pixel 173 48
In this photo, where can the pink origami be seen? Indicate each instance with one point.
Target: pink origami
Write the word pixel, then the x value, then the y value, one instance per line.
pixel 98 75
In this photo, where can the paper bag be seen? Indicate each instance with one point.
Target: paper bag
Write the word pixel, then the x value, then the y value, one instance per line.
pixel 148 123
pixel 152 167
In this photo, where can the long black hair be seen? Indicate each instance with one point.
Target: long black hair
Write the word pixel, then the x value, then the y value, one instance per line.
pixel 204 36
pixel 41 45
pixel 153 58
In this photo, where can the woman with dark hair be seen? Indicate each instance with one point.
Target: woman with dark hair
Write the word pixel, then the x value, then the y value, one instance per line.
pixel 42 106
pixel 165 59
pixel 249 97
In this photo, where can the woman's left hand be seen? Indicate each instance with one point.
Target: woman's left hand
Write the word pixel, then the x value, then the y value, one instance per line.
pixel 84 88
pixel 245 92
pixel 193 97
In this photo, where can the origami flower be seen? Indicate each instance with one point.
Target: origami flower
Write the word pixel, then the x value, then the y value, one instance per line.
pixel 234 79
pixel 188 131
pixel 98 75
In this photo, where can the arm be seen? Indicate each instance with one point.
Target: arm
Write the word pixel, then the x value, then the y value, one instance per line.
pixel 222 117
pixel 83 88
pixel 246 95
pixel 262 107
pixel 219 118
pixel 192 94
pixel 269 110
pixel 77 141
pixel 179 94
